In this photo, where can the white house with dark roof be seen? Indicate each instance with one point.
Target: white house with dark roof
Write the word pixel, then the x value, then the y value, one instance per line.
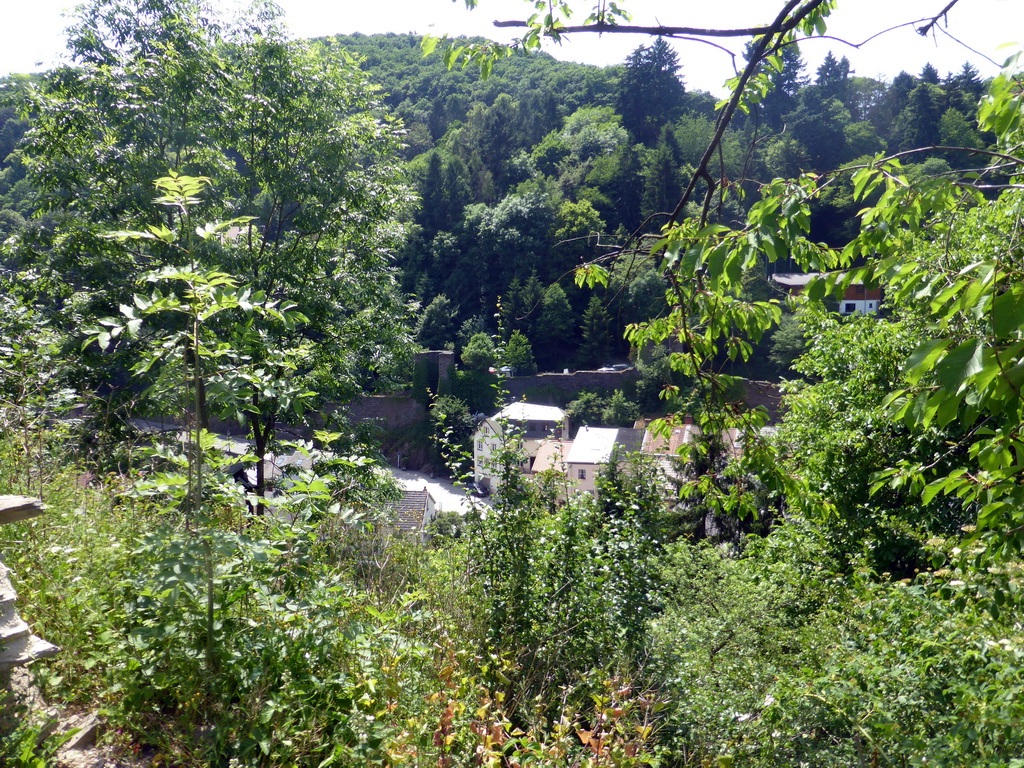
pixel 592 449
pixel 528 424
pixel 857 299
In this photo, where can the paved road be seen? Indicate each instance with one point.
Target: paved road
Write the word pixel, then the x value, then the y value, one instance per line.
pixel 446 496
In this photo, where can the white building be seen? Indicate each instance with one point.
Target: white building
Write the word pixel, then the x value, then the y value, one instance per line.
pixel 592 450
pixel 526 425
pixel 857 298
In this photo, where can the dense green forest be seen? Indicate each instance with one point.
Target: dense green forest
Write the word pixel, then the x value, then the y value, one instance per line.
pixel 207 222
pixel 544 166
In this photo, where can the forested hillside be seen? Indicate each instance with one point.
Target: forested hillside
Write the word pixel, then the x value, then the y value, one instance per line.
pixel 205 224
pixel 544 166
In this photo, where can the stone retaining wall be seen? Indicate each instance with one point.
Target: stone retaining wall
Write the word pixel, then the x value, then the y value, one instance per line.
pixel 560 388
pixel 392 412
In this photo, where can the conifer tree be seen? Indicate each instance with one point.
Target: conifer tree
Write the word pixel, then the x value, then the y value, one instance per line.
pixel 834 78
pixel 519 355
pixel 651 93
pixel 436 328
pixel 597 335
pixel 555 328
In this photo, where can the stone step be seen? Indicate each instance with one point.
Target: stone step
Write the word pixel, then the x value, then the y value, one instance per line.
pixel 13 629
pixel 24 650
pixel 5 581
pixel 14 509
pixel 85 728
pixel 18 646
pixel 8 618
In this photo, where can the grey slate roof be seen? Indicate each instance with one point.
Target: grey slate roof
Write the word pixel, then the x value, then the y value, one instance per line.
pixel 411 509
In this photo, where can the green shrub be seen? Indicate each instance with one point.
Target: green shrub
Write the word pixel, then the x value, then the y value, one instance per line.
pixel 568 588
pixel 478 388
pixel 731 627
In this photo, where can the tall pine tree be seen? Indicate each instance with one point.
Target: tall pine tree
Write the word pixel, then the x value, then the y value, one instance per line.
pixel 651 93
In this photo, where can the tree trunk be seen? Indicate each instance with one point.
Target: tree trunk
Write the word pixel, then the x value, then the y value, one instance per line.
pixel 262 434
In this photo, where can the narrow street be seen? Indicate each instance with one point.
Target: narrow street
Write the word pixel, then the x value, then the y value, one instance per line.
pixel 446 495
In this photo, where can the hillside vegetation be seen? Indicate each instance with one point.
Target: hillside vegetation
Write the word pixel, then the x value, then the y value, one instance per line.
pixel 206 223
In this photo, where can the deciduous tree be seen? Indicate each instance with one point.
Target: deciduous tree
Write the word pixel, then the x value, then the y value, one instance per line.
pixel 292 139
pixel 479 354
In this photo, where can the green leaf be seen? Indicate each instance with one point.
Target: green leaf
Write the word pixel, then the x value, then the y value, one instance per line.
pixel 591 275
pixel 933 489
pixel 960 364
pixel 916 409
pixel 162 233
pixel 428 44
pixel 922 359
pixel 815 290
pixel 1008 312
pixel 947 410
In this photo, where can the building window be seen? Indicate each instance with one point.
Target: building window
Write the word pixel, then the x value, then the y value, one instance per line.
pixel 582 474
pixel 480 445
pixel 850 308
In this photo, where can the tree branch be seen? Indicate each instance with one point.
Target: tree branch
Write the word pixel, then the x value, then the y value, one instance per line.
pixel 656 30
pixel 940 148
pixel 935 19
pixel 783 24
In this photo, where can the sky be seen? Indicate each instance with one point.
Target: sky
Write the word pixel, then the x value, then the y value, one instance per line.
pixel 32 39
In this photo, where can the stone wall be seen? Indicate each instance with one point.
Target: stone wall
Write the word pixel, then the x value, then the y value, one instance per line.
pixel 392 412
pixel 561 388
pixel 398 412
pixel 432 374
pixel 404 431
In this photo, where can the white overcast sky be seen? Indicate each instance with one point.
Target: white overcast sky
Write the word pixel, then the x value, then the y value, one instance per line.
pixel 31 36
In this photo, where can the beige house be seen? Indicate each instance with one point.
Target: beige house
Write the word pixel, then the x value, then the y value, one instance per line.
pixel 526 424
pixel 551 457
pixel 662 444
pixel 589 453
pixel 592 450
pixel 664 448
pixel 539 430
